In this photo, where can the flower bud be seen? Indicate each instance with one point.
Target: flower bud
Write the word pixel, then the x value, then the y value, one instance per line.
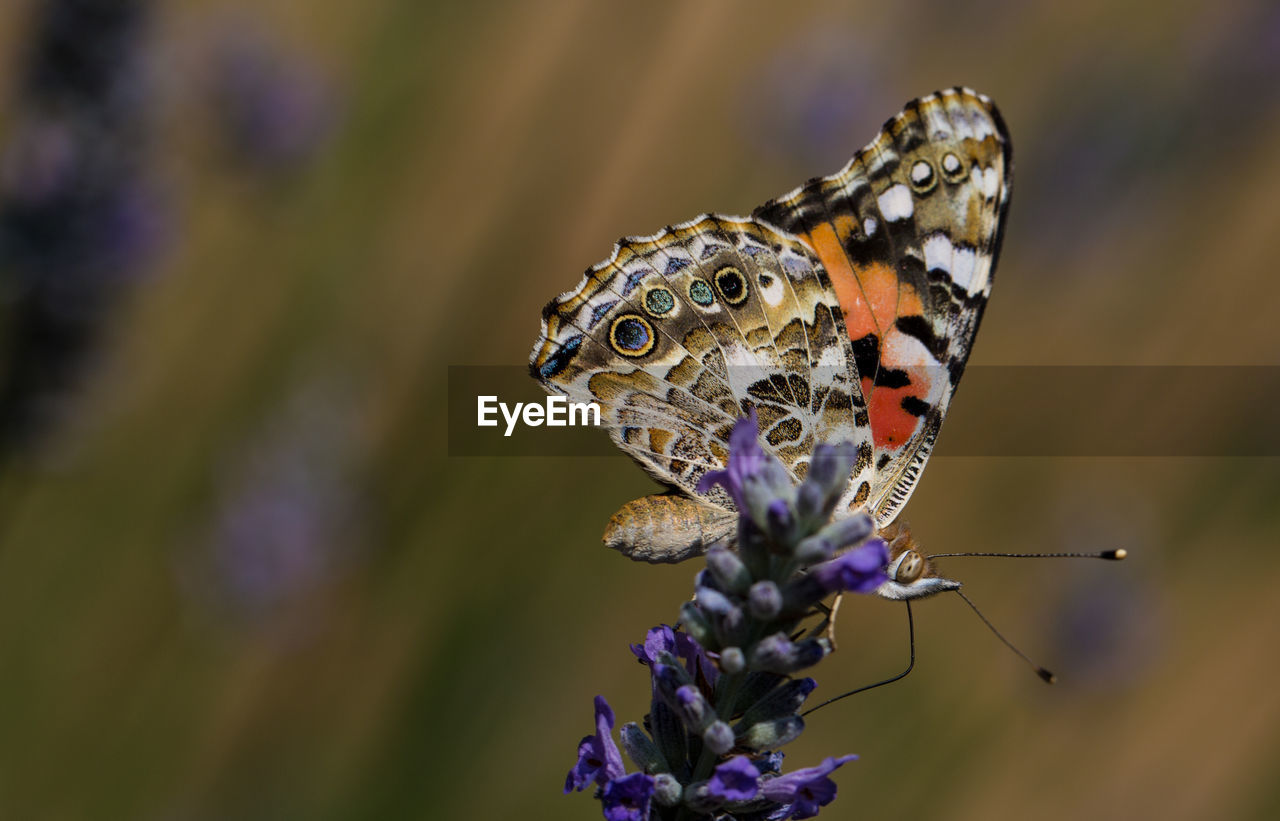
pixel 727 619
pixel 732 660
pixel 764 601
pixel 728 569
pixel 783 701
pixel 693 707
pixel 811 651
pixel 712 601
pixel 756 686
pixel 666 789
pixel 828 474
pixel 802 593
pixel 768 734
pixel 839 534
pixel 668 732
pixel 772 653
pixel 667 679
pixel 781 523
pixel 778 654
pixel 810 503
pixel 696 625
pixel 641 749
pixel 718 737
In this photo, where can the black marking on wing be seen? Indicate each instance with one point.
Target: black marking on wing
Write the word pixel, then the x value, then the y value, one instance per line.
pixel 915 406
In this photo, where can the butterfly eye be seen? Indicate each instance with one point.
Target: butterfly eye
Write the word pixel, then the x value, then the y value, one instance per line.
pixel 952 167
pixel 907 568
pixel 731 285
pixel 631 335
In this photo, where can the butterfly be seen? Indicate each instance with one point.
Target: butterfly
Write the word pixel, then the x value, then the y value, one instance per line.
pixel 844 310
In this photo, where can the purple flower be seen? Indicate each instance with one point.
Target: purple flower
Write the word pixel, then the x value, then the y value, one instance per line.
pixel 627 798
pixel 802 792
pixel 860 570
pixel 735 780
pixel 598 758
pixel 665 639
pixel 771 762
pixel 746 458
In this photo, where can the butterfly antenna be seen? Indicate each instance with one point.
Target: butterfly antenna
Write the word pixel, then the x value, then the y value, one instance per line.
pixel 911 637
pixel 1110 555
pixel 1045 675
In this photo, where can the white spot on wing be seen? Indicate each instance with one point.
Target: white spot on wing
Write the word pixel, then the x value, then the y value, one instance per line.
pixel 832 357
pixel 990 182
pixel 869 225
pixel 964 263
pixel 938 253
pixel 773 292
pixel 985 180
pixel 895 203
pixel 904 350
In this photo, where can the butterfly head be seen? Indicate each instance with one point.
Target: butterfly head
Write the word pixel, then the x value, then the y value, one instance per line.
pixel 911 574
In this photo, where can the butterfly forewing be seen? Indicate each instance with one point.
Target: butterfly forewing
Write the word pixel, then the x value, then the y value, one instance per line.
pixel 908 233
pixel 678 334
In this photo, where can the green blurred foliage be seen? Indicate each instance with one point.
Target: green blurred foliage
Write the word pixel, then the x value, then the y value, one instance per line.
pixel 438 660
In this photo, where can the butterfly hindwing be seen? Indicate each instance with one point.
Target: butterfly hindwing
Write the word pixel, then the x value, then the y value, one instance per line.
pixel 677 335
pixel 908 233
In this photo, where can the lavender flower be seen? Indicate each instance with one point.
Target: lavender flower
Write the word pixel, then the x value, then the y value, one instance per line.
pixel 803 792
pixel 627 798
pixel 723 696
pixel 747 459
pixel 735 780
pixel 598 758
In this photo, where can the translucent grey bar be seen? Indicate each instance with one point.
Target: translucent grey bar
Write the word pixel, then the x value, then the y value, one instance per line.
pixel 1055 411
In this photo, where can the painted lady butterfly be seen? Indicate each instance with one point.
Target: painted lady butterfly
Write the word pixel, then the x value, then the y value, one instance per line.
pixel 842 311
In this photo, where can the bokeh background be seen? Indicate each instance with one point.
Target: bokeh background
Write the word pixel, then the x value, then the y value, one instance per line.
pixel 241 243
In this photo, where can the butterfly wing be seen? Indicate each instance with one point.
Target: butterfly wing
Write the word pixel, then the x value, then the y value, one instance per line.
pixel 677 335
pixel 908 233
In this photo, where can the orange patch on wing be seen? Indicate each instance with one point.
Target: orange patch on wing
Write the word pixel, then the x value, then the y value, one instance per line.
pixel 891 426
pixel 868 295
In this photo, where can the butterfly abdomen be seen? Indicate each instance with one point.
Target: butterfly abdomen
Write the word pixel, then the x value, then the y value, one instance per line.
pixel 666 528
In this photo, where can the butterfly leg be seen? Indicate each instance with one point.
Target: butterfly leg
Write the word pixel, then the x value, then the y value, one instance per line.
pixel 831 621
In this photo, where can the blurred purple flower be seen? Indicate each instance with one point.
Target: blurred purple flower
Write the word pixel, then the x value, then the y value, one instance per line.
pixel 285 514
pixel 810 102
pixel 1107 630
pixel 79 214
pixel 277 108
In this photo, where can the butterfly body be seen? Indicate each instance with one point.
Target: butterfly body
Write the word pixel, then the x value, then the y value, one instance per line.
pixel 844 310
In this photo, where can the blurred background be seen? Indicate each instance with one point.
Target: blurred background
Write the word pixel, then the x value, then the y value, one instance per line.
pixel 241 244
